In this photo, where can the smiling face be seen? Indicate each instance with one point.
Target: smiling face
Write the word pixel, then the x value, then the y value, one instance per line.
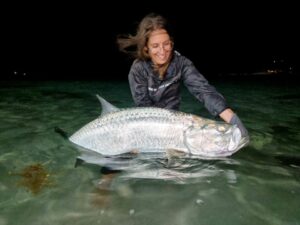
pixel 159 47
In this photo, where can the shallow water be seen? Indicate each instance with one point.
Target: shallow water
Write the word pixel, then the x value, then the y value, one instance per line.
pixel 260 184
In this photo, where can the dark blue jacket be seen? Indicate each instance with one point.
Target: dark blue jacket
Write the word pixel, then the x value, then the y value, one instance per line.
pixel 149 90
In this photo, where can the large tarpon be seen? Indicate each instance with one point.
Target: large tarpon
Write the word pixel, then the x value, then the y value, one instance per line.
pixel 150 129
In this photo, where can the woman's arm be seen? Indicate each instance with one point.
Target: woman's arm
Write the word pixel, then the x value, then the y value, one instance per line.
pixel 214 102
pixel 139 85
pixel 227 115
pixel 198 86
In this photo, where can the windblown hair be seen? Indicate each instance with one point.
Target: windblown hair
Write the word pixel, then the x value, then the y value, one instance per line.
pixel 135 45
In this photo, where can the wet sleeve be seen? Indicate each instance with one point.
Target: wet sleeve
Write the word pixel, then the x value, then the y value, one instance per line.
pixel 139 85
pixel 198 86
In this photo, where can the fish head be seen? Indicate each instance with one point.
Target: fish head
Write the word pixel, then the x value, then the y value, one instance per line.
pixel 215 139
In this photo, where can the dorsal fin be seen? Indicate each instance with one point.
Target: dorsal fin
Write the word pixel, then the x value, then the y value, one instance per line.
pixel 106 106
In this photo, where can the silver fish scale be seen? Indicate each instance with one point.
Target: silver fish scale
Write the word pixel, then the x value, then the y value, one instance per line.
pixel 157 130
pixel 141 129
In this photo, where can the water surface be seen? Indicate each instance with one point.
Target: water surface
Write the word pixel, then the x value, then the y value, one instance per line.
pixel 42 184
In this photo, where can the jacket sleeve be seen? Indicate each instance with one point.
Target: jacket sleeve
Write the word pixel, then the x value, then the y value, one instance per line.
pixel 139 85
pixel 198 86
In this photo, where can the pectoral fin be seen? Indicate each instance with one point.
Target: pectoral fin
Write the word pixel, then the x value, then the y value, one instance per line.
pixel 171 154
pixel 174 153
pixel 135 151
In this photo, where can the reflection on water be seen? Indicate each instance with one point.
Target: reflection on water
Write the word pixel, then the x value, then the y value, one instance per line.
pixel 177 168
pixel 158 166
pixel 260 184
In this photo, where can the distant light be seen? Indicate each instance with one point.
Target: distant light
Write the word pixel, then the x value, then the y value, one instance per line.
pixel 15 72
pixel 24 74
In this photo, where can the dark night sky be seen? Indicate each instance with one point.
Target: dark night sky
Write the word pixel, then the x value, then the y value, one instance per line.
pixel 73 40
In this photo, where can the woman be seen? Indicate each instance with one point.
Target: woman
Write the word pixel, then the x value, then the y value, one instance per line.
pixel 157 70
